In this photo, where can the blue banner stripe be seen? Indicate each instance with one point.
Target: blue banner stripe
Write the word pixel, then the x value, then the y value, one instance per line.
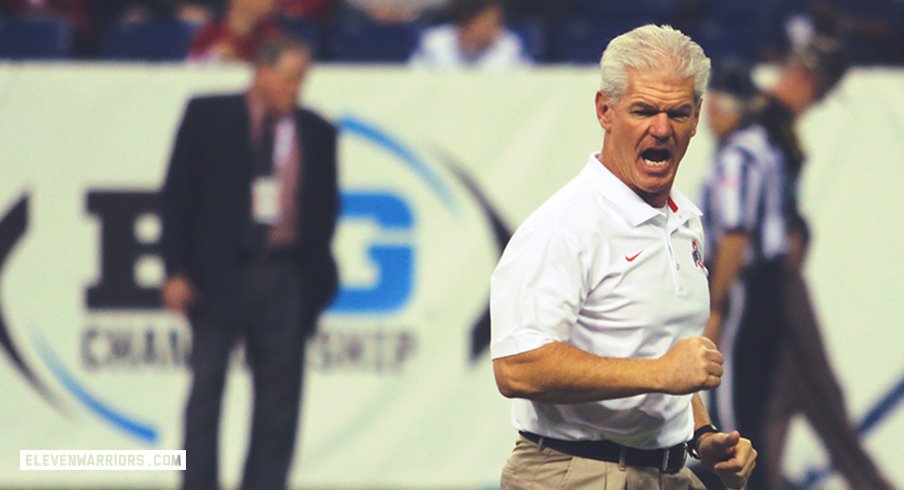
pixel 142 431
pixel 367 131
pixel 885 406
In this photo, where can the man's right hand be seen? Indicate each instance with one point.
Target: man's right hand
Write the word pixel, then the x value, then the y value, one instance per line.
pixel 730 456
pixel 691 365
pixel 178 294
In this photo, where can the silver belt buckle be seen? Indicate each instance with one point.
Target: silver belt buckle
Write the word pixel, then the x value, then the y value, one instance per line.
pixel 665 459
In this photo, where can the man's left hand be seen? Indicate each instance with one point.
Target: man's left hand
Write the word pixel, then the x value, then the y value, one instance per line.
pixel 730 456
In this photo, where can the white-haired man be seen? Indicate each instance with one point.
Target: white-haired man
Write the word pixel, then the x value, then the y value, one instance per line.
pixel 599 300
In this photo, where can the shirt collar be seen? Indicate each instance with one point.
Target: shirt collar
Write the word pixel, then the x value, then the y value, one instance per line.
pixel 631 206
pixel 679 204
pixel 257 110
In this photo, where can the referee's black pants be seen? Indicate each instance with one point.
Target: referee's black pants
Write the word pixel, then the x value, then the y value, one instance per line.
pixel 777 366
pixel 755 350
pixel 269 321
pixel 805 383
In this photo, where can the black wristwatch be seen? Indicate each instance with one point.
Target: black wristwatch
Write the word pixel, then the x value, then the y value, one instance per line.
pixel 692 446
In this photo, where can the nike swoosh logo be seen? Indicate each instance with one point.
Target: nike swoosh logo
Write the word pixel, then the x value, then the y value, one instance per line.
pixel 631 259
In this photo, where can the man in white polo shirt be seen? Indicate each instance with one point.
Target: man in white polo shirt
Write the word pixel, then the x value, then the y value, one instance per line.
pixel 599 300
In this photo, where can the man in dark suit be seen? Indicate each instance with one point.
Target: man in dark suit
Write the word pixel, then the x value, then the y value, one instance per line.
pixel 250 205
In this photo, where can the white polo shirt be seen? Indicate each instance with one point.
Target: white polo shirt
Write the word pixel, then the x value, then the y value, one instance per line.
pixel 598 268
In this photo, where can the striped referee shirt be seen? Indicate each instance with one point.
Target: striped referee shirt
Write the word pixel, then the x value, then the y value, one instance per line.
pixel 748 192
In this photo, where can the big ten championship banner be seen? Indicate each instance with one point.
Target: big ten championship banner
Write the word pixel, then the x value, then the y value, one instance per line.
pixel 436 172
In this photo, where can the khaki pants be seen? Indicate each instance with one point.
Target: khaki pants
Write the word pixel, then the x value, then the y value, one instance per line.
pixel 532 468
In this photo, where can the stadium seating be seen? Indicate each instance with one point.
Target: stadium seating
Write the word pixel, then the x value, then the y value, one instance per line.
pixel 742 39
pixel 36 39
pixel 312 32
pixel 163 40
pixel 582 41
pixel 659 11
pixel 532 36
pixel 583 37
pixel 576 34
pixel 361 40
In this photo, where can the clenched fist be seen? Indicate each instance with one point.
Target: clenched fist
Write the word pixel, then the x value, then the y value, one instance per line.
pixel 691 365
pixel 730 456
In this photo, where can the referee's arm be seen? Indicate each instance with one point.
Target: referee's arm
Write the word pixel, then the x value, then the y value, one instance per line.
pixel 729 259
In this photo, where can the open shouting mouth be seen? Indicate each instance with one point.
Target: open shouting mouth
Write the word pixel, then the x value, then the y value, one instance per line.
pixel 656 157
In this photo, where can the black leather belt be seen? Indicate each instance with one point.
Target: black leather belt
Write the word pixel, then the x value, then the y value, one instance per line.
pixel 669 460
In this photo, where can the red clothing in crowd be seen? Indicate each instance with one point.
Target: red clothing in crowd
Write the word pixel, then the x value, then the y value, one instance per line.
pixel 74 11
pixel 313 9
pixel 217 42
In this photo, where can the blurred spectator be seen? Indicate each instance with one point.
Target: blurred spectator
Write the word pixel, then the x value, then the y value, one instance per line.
pixel 396 10
pixel 248 257
pixel 127 11
pixel 867 26
pixel 477 37
pixel 731 90
pixel 196 13
pixel 237 36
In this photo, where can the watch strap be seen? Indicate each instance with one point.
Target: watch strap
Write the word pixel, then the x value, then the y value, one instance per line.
pixel 695 441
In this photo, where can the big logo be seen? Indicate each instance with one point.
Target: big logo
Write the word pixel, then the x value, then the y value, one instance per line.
pixel 416 240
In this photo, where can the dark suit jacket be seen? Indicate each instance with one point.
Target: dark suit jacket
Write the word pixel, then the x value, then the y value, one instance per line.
pixel 207 203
